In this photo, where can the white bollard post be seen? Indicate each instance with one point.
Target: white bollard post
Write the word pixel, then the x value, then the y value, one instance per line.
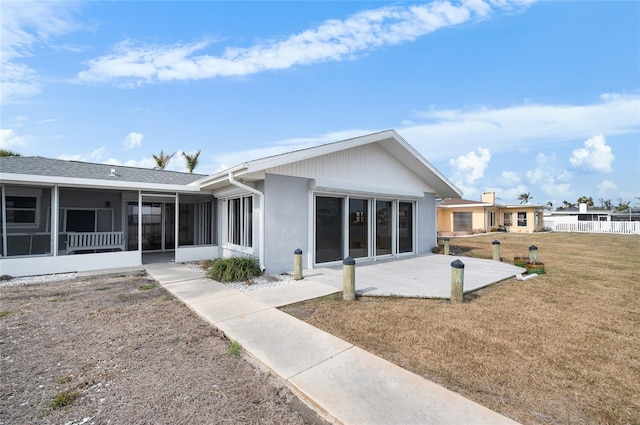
pixel 349 279
pixel 457 282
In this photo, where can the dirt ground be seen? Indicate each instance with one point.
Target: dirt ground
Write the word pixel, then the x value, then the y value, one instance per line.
pixel 121 350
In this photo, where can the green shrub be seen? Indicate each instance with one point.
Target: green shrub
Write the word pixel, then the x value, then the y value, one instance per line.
pixel 63 399
pixel 234 348
pixel 234 269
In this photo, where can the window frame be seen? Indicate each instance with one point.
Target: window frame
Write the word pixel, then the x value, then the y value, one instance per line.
pixel 509 222
pixel 521 222
pixel 393 222
pixel 239 222
pixel 19 192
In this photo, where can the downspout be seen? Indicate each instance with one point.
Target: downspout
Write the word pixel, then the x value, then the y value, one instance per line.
pixel 236 183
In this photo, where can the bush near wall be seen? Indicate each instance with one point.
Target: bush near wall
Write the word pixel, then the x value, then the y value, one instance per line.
pixel 233 269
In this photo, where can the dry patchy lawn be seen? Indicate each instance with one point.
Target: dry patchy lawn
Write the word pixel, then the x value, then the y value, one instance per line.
pixel 561 348
pixel 121 350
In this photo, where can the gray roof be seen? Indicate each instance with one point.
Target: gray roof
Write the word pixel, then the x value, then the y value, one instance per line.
pixel 39 166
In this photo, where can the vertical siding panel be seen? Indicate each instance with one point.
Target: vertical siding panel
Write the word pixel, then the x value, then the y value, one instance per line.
pixel 368 165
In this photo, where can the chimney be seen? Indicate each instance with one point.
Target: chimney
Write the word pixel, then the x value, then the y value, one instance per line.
pixel 489 197
pixel 582 208
pixel 113 172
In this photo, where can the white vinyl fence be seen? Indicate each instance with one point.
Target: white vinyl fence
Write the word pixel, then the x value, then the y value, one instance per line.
pixel 619 227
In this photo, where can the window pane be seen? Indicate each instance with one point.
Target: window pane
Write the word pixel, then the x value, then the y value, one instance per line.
pixel 462 221
pixel 383 227
pixel 21 217
pixel 21 202
pixel 522 219
pixel 81 220
pixel 329 233
pixel 358 228
pixel 507 219
pixel 405 227
pixel 248 228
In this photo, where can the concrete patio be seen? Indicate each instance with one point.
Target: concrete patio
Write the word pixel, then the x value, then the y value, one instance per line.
pixel 427 276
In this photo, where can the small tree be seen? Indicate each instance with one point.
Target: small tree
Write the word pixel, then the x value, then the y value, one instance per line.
pixel 6 152
pixel 191 159
pixel 162 160
pixel 567 205
pixel 525 198
pixel 606 203
pixel 586 200
pixel 622 206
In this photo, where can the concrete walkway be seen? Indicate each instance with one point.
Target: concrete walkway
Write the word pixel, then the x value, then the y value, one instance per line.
pixel 427 276
pixel 344 384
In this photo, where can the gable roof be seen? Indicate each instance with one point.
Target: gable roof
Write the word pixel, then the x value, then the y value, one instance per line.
pixel 43 169
pixel 389 140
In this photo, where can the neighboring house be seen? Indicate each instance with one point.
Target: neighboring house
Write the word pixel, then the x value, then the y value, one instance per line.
pixel 461 216
pixel 371 197
pixel 589 219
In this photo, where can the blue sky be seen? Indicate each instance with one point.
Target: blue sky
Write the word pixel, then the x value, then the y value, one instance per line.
pixel 538 97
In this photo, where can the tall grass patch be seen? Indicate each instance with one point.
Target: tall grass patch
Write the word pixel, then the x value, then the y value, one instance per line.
pixel 234 269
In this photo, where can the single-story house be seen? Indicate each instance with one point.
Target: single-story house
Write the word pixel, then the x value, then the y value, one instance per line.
pixel 371 197
pixel 462 216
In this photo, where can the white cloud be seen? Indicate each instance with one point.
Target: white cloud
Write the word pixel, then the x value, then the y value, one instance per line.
pixel 471 166
pixel 608 190
pixel 25 26
pixel 550 178
pixel 468 169
pixel 596 155
pixel 507 194
pixel 132 140
pixel 532 125
pixel 333 40
pixel 10 140
pixel 510 178
pixel 93 156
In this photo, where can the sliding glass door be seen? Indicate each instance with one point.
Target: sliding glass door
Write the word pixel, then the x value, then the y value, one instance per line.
pixel 329 233
pixel 384 227
pixel 358 228
pixel 362 228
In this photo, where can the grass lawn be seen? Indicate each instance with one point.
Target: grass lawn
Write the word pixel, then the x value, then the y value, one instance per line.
pixel 560 348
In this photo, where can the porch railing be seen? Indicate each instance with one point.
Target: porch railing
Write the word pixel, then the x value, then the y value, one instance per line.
pixel 94 241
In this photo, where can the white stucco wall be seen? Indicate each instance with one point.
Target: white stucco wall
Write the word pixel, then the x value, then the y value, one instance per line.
pixel 426 223
pixel 286 221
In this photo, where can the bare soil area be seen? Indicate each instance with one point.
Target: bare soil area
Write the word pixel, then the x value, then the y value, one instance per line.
pixel 121 350
pixel 563 348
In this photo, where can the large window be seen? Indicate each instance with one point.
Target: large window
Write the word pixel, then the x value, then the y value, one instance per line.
pixel 25 230
pixel 240 221
pixel 358 228
pixel 508 220
pixel 522 219
pixel 384 227
pixel 405 227
pixel 329 229
pixel 362 228
pixel 463 221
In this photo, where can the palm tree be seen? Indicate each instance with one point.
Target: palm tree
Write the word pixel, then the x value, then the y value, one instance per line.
pixel 6 152
pixel 525 198
pixel 606 203
pixel 586 200
pixel 192 160
pixel 623 205
pixel 567 204
pixel 550 204
pixel 162 160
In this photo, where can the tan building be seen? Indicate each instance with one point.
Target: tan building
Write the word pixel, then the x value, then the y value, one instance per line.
pixel 461 216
